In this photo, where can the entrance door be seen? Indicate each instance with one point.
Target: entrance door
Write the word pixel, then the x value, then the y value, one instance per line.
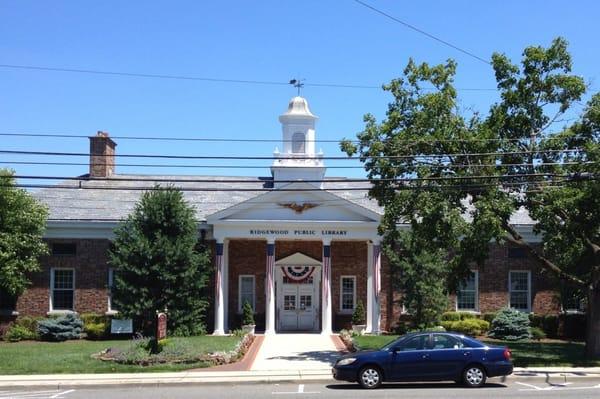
pixel 298 304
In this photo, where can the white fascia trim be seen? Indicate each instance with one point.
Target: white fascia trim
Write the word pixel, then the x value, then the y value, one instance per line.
pixel 89 229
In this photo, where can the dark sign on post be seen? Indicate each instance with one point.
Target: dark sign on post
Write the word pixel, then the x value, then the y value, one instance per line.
pixel 161 326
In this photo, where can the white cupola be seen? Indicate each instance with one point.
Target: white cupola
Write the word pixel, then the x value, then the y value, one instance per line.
pixel 298 159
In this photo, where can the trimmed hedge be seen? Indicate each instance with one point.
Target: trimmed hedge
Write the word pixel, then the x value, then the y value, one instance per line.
pixel 457 316
pixel 470 326
pixel 96 326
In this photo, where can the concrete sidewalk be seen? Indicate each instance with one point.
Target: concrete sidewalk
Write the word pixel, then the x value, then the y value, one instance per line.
pixel 60 381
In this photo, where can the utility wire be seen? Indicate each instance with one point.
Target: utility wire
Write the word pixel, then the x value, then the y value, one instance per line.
pixel 441 166
pixel 215 189
pixel 345 158
pixel 208 79
pixel 325 180
pixel 232 140
pixel 421 31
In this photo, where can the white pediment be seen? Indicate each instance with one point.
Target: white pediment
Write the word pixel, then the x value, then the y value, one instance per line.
pixel 305 204
pixel 298 259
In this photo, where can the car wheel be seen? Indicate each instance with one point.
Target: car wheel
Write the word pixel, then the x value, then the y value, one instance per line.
pixel 370 377
pixel 474 376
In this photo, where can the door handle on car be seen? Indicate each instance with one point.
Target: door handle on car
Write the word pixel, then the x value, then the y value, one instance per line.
pixel 426 356
pixel 467 353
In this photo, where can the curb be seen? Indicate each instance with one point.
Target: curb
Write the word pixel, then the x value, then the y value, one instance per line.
pixel 62 381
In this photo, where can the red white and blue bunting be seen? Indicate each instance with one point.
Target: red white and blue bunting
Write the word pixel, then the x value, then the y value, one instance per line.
pixel 298 273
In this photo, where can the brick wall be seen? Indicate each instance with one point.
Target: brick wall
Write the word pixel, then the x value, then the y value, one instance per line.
pixel 91 279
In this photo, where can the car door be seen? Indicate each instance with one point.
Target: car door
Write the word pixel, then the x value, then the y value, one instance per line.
pixel 447 356
pixel 409 358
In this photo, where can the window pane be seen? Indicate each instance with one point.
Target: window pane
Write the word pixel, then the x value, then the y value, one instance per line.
pixel 298 143
pixel 518 300
pixel 305 302
pixel 247 290
pixel 62 299
pixel 465 300
pixel 63 279
pixel 289 302
pixel 7 302
pixel 519 281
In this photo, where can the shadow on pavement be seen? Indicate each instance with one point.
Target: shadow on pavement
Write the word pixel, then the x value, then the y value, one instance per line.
pixel 322 356
pixel 426 385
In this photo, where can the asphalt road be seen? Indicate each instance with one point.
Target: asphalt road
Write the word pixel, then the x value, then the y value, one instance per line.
pixel 579 388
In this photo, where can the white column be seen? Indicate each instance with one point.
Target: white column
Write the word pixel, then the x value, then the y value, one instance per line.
pixel 373 288
pixel 225 287
pixel 219 292
pixel 326 315
pixel 270 289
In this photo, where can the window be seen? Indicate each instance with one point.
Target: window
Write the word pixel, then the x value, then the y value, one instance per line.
pixel 246 291
pixel 62 287
pixel 111 284
pixel 298 143
pixel 517 253
pixel 519 286
pixel 305 302
pixel 7 302
pixel 573 300
pixel 289 302
pixel 347 294
pixel 414 343
pixel 443 341
pixel 64 249
pixel 468 294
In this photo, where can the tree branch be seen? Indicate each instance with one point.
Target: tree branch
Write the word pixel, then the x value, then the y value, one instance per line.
pixel 517 239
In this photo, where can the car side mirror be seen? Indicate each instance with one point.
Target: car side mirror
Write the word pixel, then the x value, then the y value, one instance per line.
pixel 397 349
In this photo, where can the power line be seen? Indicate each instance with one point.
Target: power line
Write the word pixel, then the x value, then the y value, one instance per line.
pixel 343 158
pixel 236 140
pixel 325 180
pixel 208 79
pixel 421 31
pixel 215 189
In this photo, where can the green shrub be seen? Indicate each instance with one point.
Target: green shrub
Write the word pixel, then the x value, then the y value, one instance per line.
pixel 467 315
pixel 468 327
pixel 17 333
pixel 489 317
pixel 572 326
pixel 451 316
pixel 536 320
pixel 537 333
pixel 62 328
pixel 510 324
pixel 402 328
pixel 358 316
pixel 96 326
pixel 247 314
pixel 550 324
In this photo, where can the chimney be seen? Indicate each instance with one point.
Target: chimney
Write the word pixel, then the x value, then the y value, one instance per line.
pixel 102 155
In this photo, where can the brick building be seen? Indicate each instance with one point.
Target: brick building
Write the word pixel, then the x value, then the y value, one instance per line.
pixel 302 251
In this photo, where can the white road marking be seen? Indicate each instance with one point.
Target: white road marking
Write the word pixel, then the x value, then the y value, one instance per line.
pixel 53 394
pixel 561 387
pixel 299 391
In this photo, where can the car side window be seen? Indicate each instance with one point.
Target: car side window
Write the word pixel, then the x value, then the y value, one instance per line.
pixel 413 344
pixel 444 341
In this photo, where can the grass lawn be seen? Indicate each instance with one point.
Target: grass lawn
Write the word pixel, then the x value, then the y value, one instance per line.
pixel 75 356
pixel 525 353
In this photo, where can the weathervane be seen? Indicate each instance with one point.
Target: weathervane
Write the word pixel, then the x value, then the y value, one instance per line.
pixel 297 83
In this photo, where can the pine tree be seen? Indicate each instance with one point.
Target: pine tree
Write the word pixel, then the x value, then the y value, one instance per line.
pixel 159 264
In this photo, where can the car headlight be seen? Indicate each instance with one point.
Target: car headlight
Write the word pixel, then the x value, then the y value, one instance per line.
pixel 346 361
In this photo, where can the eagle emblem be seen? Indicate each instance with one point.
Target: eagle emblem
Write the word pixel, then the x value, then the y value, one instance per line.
pixel 298 208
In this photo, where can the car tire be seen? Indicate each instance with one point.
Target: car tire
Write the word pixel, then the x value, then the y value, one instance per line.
pixel 370 377
pixel 474 376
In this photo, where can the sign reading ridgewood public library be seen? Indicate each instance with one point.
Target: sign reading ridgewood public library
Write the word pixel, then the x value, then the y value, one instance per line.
pixel 298 233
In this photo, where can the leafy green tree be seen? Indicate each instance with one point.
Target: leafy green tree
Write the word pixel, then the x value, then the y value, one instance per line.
pixel 160 265
pixel 22 224
pixel 456 179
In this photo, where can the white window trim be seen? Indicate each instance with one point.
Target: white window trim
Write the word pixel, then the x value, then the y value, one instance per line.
pixel 353 278
pixel 240 304
pixel 60 311
pixel 109 286
pixel 476 310
pixel 528 310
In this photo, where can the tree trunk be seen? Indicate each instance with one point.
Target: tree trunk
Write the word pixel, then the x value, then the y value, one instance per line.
pixel 592 336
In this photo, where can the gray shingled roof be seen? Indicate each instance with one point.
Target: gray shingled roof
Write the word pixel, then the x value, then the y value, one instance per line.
pixel 114 199
pixel 94 202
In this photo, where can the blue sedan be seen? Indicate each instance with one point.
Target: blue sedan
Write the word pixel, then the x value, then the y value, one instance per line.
pixel 426 356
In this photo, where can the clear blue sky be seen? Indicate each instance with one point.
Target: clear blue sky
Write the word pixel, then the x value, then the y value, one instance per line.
pixel 338 42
